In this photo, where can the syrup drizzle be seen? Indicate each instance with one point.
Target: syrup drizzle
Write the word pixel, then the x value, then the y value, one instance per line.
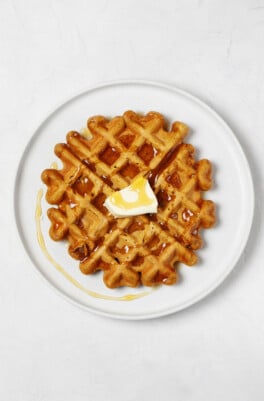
pixel 44 249
pixel 154 174
pixel 54 165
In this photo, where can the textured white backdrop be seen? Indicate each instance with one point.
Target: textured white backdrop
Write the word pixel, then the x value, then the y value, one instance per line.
pixel 50 350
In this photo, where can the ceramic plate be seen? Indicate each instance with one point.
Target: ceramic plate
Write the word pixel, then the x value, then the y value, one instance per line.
pixel 232 193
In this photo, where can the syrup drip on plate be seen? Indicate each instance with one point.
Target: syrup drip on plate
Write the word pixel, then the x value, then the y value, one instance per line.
pixel 42 244
pixel 54 165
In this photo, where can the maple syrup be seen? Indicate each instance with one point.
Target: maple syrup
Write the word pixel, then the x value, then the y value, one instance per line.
pixel 44 249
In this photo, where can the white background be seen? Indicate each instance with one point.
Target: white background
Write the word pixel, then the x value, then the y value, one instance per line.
pixel 49 349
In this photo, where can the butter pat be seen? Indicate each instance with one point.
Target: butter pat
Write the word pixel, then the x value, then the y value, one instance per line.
pixel 138 198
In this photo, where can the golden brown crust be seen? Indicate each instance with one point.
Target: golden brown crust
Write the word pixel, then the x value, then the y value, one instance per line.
pixel 133 250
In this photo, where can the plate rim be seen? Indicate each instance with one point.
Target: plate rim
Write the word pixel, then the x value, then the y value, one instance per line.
pixel 250 198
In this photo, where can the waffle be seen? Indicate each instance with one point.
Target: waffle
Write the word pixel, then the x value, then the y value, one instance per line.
pixel 132 250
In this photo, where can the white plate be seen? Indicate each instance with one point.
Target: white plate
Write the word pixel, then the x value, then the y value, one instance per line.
pixel 233 194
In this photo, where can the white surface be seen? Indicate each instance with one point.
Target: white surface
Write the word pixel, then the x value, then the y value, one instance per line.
pixel 232 194
pixel 50 350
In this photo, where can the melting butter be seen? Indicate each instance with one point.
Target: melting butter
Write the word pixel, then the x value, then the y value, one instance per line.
pixel 138 198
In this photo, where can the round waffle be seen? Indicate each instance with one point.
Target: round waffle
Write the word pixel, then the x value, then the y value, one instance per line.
pixel 133 250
